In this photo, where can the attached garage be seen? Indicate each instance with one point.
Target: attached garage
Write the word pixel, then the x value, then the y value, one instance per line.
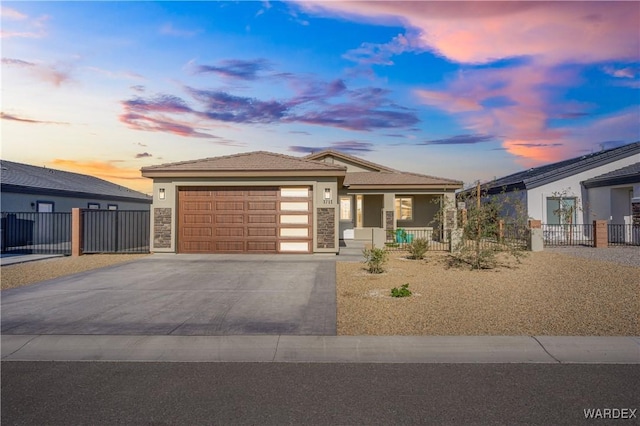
pixel 255 202
pixel 245 219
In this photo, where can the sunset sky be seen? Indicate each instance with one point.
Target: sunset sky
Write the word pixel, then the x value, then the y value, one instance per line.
pixel 454 89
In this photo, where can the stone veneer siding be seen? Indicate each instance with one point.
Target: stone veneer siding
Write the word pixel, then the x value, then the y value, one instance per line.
pixel 636 213
pixel 389 219
pixel 162 227
pixel 326 228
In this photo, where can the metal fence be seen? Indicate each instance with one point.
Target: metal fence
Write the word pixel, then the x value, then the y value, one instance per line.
pixel 115 231
pixel 568 235
pixel 399 239
pixel 623 235
pixel 35 233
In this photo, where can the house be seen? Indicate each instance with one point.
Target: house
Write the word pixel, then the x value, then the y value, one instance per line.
pixel 600 185
pixel 259 202
pixel 26 188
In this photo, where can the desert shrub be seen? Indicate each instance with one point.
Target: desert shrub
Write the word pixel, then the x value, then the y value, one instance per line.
pixel 375 258
pixel 417 248
pixel 403 291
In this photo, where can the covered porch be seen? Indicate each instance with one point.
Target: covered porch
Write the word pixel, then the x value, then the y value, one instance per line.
pixel 392 217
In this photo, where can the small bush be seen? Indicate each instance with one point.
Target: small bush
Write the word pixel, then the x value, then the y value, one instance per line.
pixel 418 248
pixel 375 259
pixel 403 291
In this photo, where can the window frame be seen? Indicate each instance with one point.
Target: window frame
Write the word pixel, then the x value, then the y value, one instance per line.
pixel 557 219
pixel 112 207
pixel 44 202
pixel 93 206
pixel 349 199
pixel 398 207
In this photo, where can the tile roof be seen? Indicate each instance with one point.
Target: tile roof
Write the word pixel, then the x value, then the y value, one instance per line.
pixel 395 178
pixel 628 174
pixel 357 160
pixel 248 161
pixel 538 176
pixel 24 176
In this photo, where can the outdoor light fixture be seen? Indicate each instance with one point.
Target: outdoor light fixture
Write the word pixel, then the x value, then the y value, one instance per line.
pixel 327 193
pixel 161 193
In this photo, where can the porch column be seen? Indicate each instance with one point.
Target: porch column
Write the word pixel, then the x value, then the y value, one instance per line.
pixel 389 211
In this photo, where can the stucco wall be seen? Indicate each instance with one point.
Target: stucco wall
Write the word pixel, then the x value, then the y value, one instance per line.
pixel 14 202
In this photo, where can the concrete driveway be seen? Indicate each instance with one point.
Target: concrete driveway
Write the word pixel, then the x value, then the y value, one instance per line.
pixel 183 295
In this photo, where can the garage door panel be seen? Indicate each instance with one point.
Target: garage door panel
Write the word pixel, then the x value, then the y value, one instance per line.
pixel 197 218
pixel 230 246
pixel 230 205
pixel 261 232
pixel 229 232
pixel 261 246
pixel 272 192
pixel 229 218
pixel 227 193
pixel 197 246
pixel 262 218
pixel 261 205
pixel 192 193
pixel 196 232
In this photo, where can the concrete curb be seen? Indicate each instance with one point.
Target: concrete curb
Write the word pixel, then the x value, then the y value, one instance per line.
pixel 324 349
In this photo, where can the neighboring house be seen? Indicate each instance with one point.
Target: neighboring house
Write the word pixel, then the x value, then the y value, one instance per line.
pixel 26 188
pixel 600 185
pixel 268 202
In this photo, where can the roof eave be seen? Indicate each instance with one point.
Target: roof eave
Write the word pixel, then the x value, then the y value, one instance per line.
pixel 402 187
pixel 236 173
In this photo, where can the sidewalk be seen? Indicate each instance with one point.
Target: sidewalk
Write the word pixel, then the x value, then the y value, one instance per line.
pixel 12 259
pixel 324 349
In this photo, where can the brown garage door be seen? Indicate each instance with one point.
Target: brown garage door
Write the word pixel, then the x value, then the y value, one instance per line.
pixel 239 220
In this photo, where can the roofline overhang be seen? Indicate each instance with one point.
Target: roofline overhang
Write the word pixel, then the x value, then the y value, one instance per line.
pixel 437 187
pixel 234 174
pixel 616 180
pixel 19 189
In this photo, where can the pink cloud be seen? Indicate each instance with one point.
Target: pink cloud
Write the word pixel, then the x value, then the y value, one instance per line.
pixel 27 27
pixel 54 74
pixel 515 104
pixel 479 32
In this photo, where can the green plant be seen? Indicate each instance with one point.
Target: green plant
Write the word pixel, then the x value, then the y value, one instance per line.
pixel 417 248
pixel 403 291
pixel 375 258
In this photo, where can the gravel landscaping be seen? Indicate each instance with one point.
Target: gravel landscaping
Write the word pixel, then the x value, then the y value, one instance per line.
pixel 549 293
pixel 32 272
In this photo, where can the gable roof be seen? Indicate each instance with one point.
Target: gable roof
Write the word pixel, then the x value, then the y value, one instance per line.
pixel 349 158
pixel 624 175
pixel 385 177
pixel 538 176
pixel 256 163
pixel 25 178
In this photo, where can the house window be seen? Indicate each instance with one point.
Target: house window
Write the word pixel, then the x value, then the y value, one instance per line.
pixel 44 207
pixel 93 206
pixel 345 208
pixel 561 211
pixel 404 208
pixel 112 206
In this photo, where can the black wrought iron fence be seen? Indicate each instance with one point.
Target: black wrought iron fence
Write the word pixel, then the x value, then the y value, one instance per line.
pixel 623 234
pixel 399 239
pixel 115 231
pixel 568 235
pixel 36 233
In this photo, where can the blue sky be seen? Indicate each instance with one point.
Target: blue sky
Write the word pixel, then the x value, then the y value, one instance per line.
pixel 460 90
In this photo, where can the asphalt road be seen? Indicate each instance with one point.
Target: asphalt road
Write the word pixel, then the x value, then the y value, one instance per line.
pixel 43 393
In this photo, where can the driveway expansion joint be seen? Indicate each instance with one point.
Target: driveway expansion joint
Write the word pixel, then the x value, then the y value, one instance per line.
pixel 545 349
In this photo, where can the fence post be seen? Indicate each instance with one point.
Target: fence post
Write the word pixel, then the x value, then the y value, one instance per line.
pixel 76 232
pixel 500 231
pixel 536 242
pixel 600 236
